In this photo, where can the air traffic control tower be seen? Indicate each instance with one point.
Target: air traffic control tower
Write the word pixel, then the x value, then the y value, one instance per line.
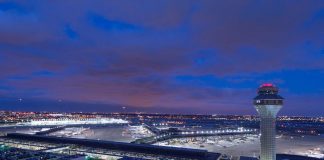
pixel 268 103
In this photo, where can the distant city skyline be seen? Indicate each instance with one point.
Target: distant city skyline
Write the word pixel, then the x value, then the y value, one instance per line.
pixel 197 57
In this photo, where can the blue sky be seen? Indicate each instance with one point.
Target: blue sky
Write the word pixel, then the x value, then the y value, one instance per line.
pixel 181 56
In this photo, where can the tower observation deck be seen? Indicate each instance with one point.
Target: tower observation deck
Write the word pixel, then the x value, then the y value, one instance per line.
pixel 268 103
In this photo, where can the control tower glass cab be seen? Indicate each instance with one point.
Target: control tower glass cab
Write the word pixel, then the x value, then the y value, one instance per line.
pixel 268 103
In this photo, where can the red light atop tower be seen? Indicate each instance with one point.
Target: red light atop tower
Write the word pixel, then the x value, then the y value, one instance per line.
pixel 267 85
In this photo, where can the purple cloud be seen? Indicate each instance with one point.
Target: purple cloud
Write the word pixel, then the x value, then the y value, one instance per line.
pixel 132 53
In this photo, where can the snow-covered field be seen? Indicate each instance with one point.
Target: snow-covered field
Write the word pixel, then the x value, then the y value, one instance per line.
pixel 248 145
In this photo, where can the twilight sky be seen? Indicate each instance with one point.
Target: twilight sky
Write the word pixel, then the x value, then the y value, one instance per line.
pixel 160 56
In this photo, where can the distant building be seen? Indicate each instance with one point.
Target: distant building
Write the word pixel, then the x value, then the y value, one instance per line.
pixel 73 121
pixel 268 103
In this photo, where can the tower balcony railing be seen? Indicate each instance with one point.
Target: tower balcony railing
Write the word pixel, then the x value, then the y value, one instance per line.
pixel 268 102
